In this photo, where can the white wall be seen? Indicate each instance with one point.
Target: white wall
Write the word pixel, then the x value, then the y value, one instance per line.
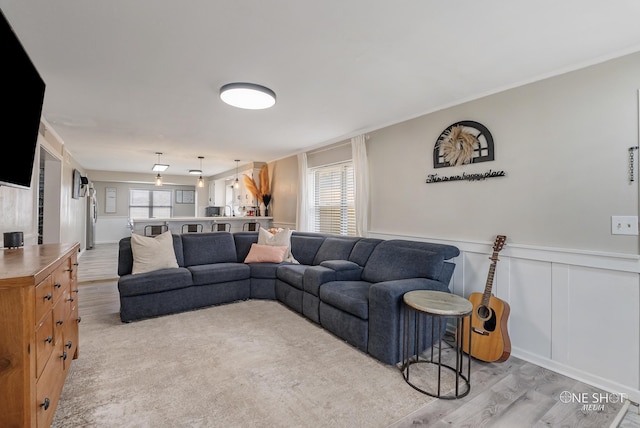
pixel 563 143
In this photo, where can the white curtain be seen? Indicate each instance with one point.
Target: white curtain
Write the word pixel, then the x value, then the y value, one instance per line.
pixel 302 220
pixel 361 173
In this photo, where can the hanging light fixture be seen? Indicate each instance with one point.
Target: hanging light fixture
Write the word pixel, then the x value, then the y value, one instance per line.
pixel 247 96
pixel 236 184
pixel 200 179
pixel 159 167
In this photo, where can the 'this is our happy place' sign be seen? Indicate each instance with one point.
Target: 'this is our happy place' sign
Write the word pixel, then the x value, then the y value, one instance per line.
pixel 435 178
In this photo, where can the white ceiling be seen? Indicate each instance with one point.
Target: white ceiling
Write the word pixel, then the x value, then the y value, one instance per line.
pixel 126 79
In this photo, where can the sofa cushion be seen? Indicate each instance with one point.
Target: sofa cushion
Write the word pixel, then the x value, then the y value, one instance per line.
pixel 219 272
pixel 363 249
pixel 292 274
pixel 154 282
pixel 348 296
pixel 390 262
pixel 266 253
pixel 335 248
pixel 208 248
pixel 304 246
pixel 152 253
pixel 264 270
pixel 243 241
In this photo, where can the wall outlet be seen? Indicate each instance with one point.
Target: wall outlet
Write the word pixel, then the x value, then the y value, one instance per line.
pixel 624 225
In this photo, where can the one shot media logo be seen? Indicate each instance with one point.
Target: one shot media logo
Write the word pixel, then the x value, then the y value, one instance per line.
pixel 592 401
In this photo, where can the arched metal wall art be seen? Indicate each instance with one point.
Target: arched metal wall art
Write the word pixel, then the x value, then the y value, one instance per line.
pixel 463 143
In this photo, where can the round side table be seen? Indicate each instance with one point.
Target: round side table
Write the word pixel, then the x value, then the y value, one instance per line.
pixel 436 306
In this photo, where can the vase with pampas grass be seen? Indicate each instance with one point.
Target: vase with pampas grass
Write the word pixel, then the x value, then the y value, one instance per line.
pixel 262 193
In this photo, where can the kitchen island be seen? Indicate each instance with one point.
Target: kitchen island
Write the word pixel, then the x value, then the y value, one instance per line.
pixel 175 223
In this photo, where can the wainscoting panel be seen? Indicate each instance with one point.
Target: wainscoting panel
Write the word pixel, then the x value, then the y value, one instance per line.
pixel 604 323
pixel 574 312
pixel 530 301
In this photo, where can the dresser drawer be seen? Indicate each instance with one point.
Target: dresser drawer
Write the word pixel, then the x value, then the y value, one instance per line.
pixel 49 387
pixel 61 313
pixel 44 342
pixel 61 279
pixel 44 298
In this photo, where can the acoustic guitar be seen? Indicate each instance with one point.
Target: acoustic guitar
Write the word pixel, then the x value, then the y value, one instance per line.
pixel 490 340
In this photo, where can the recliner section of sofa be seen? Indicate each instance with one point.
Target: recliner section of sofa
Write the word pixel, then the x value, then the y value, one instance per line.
pixel 350 286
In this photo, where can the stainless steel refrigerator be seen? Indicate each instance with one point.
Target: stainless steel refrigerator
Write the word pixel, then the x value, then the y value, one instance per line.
pixel 92 216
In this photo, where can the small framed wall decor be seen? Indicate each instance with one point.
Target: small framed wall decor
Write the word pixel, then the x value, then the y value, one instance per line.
pixel 185 196
pixel 77 182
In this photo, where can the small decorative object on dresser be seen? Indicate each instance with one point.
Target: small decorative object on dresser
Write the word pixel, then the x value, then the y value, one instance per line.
pixel 39 317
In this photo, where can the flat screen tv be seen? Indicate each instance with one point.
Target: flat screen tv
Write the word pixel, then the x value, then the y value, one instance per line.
pixel 22 107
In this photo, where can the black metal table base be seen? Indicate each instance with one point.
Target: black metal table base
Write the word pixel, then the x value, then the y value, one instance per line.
pixel 410 357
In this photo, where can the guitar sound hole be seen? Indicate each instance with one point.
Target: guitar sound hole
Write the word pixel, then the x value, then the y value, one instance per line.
pixel 483 312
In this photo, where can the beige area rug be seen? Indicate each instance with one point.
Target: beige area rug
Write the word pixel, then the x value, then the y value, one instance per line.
pixel 247 364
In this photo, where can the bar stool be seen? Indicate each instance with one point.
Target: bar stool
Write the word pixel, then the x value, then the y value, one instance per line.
pixel 155 229
pixel 251 226
pixel 192 227
pixel 221 227
pixel 435 306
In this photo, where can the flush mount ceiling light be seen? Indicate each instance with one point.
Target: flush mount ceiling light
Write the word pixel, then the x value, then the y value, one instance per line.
pixel 159 167
pixel 247 95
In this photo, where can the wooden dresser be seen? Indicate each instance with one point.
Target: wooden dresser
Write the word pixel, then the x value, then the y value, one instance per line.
pixel 38 330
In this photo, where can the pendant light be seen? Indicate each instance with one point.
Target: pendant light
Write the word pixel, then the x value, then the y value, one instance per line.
pixel 200 182
pixel 159 167
pixel 236 184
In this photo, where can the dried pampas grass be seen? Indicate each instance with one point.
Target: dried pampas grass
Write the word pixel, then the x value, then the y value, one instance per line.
pixel 457 146
pixel 265 185
pixel 250 184
pixel 263 194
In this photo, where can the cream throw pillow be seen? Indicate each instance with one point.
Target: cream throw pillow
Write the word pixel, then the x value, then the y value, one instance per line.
pixel 152 253
pixel 282 238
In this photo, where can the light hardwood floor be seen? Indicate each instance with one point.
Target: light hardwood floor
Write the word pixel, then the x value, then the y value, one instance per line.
pixel 510 394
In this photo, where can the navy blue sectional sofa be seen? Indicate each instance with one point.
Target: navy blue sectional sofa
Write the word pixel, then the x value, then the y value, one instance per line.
pixel 350 286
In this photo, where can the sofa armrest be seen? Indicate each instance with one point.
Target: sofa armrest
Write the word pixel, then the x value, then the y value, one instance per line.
pixel 315 276
pixel 386 315
pixel 344 269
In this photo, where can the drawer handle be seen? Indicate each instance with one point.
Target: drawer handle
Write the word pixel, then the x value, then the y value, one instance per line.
pixel 75 291
pixel 76 264
pixel 49 339
pixel 57 285
pixel 70 299
pixel 64 355
pixel 45 404
pixel 69 344
pixel 48 297
pixel 60 322
pixel 79 319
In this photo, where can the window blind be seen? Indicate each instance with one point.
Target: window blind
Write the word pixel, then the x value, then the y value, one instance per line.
pixel 332 199
pixel 150 203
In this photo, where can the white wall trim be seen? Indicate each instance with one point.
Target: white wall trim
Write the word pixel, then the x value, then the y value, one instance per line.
pixel 601 260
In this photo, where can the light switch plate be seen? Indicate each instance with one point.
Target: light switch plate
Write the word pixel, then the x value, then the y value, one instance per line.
pixel 624 225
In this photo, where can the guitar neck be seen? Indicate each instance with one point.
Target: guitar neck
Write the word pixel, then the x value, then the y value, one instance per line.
pixel 486 296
